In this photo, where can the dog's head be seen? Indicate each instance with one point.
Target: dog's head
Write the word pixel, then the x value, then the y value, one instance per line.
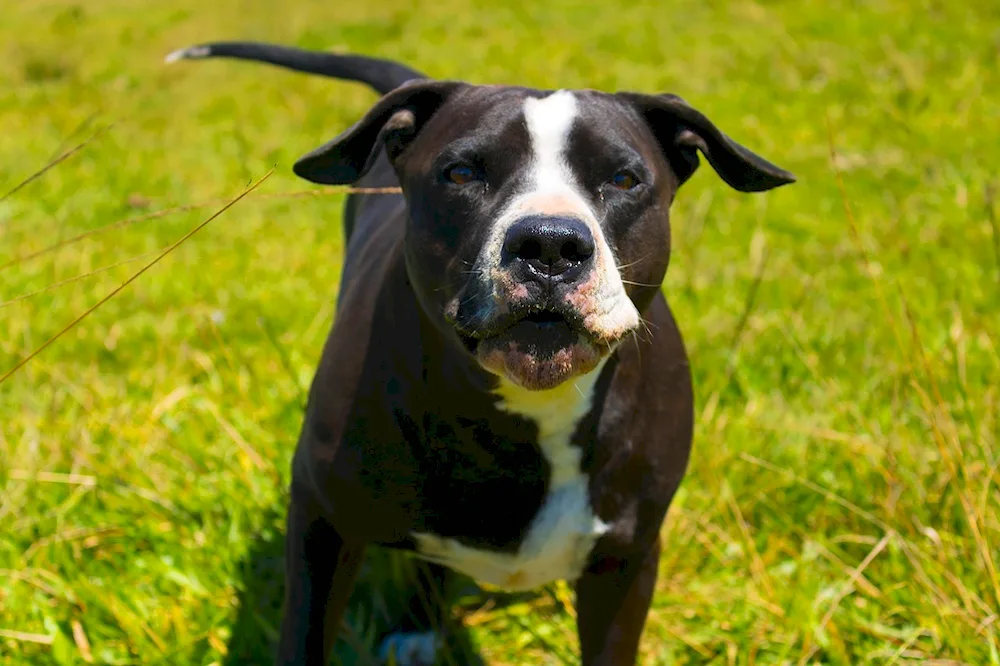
pixel 539 225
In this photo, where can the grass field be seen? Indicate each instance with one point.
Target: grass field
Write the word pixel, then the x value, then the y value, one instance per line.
pixel 842 505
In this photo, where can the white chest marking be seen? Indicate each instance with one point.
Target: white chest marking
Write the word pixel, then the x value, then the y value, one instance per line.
pixel 562 533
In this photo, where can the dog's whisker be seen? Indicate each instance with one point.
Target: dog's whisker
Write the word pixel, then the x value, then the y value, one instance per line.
pixel 633 263
pixel 641 284
pixel 646 324
pixel 638 347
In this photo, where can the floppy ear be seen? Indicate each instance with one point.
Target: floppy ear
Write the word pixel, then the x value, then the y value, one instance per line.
pixel 683 130
pixel 393 121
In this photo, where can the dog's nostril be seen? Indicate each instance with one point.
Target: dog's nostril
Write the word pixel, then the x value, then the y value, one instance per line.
pixel 577 249
pixel 530 249
pixel 568 251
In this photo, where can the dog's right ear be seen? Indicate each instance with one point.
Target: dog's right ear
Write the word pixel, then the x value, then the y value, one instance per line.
pixel 393 121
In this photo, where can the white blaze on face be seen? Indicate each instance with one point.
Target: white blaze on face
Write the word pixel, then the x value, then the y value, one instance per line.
pixel 554 190
pixel 549 122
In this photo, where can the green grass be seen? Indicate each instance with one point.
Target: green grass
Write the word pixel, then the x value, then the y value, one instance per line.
pixel 842 502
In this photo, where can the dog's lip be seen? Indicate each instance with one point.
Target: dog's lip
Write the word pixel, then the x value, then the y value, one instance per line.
pixel 540 351
pixel 543 316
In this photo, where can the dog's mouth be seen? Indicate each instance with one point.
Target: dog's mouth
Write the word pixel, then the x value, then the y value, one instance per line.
pixel 538 350
pixel 539 327
pixel 545 318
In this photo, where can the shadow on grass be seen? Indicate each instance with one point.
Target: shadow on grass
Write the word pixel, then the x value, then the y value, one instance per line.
pixel 380 600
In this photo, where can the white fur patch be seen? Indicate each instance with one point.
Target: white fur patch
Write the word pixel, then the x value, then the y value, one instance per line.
pixel 409 649
pixel 190 53
pixel 549 121
pixel 564 530
pixel 554 190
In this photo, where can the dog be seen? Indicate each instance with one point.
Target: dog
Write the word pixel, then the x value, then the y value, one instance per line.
pixel 504 392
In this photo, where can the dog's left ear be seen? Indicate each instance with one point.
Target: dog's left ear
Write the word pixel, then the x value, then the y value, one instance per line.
pixel 392 122
pixel 683 130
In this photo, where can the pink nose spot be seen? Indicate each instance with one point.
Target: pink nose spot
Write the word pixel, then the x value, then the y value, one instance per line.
pixel 519 291
pixel 586 296
pixel 551 204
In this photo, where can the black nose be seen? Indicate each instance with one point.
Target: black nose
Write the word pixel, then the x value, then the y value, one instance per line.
pixel 550 246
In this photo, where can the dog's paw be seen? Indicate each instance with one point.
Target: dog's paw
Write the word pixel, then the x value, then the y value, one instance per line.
pixel 409 649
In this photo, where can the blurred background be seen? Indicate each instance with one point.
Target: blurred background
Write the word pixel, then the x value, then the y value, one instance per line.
pixel 842 501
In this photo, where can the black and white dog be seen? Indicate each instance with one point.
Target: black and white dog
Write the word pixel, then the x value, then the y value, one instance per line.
pixel 505 391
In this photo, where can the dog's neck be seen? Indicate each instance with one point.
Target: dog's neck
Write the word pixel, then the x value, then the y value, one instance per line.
pixel 557 413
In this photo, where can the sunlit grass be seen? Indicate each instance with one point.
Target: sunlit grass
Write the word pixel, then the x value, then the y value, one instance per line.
pixel 842 503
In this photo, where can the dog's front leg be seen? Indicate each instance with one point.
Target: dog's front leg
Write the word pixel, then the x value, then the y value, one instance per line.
pixel 612 600
pixel 320 568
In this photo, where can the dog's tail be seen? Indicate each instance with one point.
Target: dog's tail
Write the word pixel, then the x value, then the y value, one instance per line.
pixel 382 75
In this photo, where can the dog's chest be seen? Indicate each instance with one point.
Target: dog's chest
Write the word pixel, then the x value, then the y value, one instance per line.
pixel 562 533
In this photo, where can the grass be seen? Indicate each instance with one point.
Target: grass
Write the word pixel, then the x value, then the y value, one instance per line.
pixel 842 503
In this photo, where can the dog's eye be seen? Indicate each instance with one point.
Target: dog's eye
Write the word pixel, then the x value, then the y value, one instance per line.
pixel 461 174
pixel 624 180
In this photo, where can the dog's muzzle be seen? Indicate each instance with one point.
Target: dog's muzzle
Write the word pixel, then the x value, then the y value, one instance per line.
pixel 542 308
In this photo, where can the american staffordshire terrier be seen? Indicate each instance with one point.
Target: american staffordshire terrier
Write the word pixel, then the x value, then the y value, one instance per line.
pixel 505 391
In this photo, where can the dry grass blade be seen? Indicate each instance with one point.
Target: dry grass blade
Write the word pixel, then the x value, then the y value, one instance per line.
pixel 109 227
pixel 750 301
pixel 83 124
pixel 748 307
pixel 959 470
pixel 72 534
pixel 906 646
pixel 26 637
pixel 54 477
pixel 77 278
pixel 129 221
pixel 20 364
pixel 989 200
pixel 853 579
pixel 856 237
pixel 62 158
pixel 82 642
pixel 949 448
pixel 833 497
pixel 234 434
pixel 757 567
pixel 356 190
